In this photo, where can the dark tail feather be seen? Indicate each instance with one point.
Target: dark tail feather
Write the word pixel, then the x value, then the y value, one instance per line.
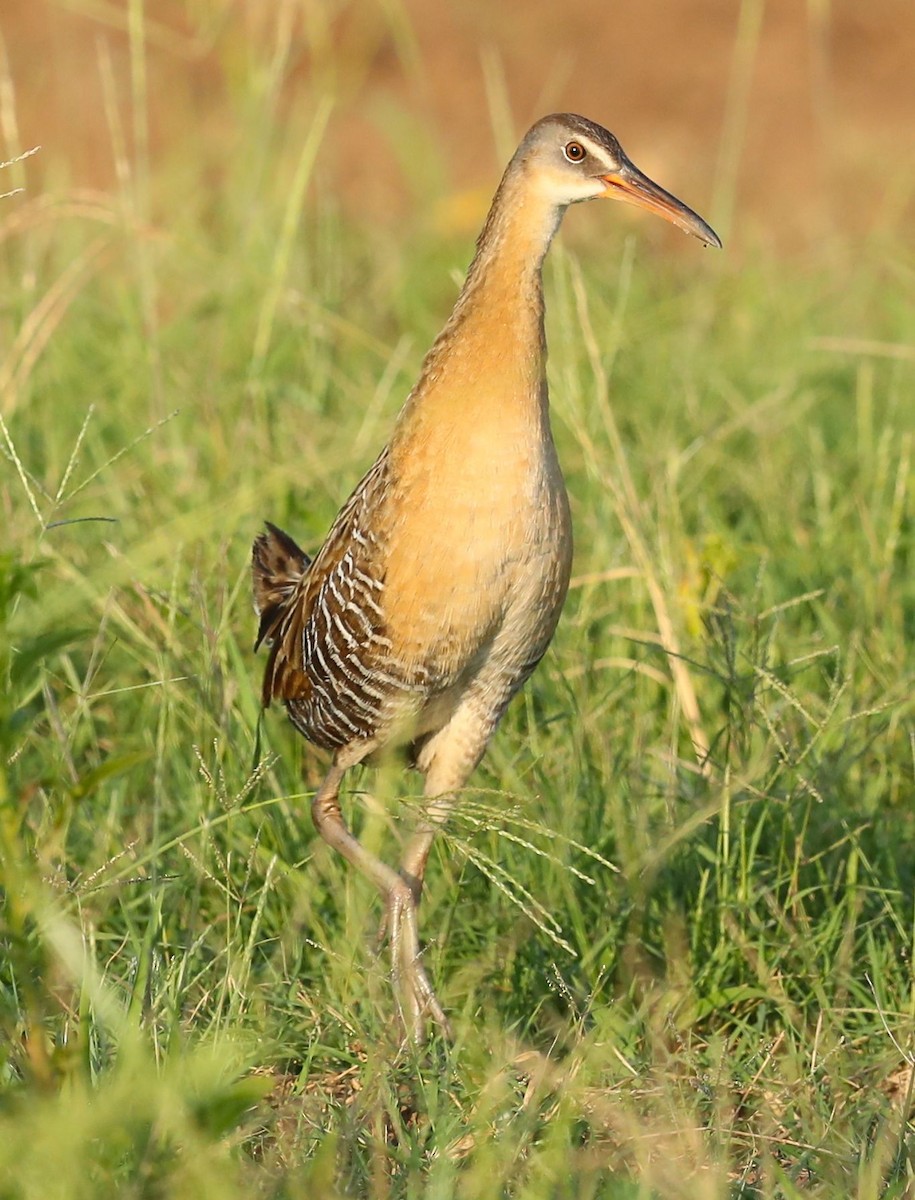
pixel 277 567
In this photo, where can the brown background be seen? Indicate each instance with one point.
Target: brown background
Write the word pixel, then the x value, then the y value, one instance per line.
pixel 798 113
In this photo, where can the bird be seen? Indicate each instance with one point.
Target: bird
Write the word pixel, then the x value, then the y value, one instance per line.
pixel 441 581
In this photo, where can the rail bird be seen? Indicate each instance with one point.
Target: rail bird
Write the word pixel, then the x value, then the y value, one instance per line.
pixel 441 580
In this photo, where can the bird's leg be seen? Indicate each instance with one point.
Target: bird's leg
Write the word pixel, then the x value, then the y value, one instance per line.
pixel 412 870
pixel 416 855
pixel 415 994
pixel 413 862
pixel 446 761
pixel 409 973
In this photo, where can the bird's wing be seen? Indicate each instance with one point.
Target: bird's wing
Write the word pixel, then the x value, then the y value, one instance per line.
pixel 318 616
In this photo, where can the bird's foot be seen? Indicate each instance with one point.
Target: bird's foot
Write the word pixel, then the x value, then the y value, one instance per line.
pixel 415 885
pixel 416 997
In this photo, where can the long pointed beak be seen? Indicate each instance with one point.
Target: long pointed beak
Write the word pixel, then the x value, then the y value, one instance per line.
pixel 630 185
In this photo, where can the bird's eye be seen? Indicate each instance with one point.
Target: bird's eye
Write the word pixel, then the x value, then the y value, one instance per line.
pixel 574 151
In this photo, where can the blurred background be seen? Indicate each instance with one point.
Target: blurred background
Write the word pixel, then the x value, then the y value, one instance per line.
pixel 246 221
pixel 799 114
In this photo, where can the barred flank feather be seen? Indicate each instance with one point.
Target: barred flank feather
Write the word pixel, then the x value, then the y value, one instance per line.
pixel 330 658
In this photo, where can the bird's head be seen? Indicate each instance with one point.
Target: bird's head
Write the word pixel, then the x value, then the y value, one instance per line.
pixel 573 159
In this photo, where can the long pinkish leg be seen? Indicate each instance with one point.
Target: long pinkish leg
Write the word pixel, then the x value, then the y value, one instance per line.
pixel 415 994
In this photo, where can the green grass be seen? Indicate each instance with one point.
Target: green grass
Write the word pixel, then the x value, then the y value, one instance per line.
pixel 663 983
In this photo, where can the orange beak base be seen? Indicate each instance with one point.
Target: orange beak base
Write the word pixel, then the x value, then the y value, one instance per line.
pixel 631 186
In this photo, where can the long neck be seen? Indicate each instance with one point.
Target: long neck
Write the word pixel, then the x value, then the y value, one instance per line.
pixel 492 349
pixel 506 269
